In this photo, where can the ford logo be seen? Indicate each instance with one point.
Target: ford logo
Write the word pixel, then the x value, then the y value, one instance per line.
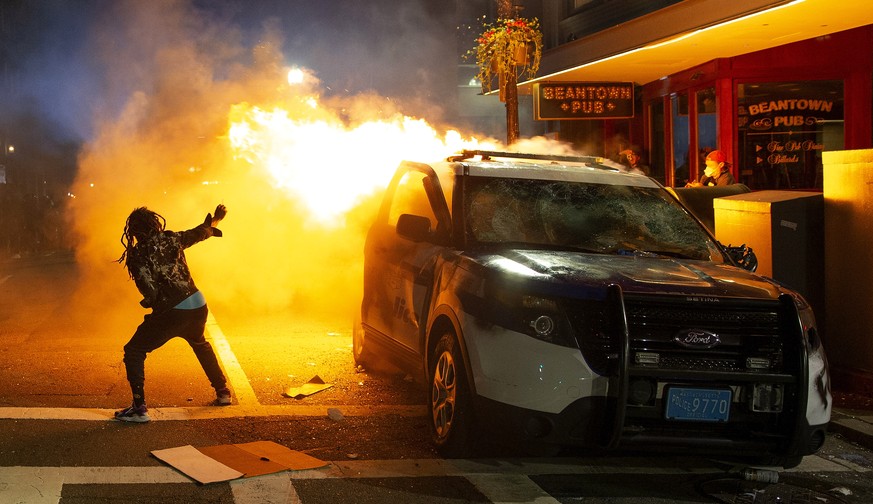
pixel 697 338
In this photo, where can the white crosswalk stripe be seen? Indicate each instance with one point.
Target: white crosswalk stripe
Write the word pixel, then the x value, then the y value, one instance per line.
pixel 499 480
pixel 507 489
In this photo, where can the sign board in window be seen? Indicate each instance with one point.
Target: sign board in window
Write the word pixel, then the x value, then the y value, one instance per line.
pixel 783 129
pixel 583 100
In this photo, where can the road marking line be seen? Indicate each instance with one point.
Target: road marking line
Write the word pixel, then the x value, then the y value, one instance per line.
pixel 500 489
pixel 269 488
pixel 402 468
pixel 211 412
pixel 499 480
pixel 43 485
pixel 247 401
pixel 527 467
pixel 242 389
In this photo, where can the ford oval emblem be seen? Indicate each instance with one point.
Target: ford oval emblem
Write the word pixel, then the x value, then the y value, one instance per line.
pixel 697 338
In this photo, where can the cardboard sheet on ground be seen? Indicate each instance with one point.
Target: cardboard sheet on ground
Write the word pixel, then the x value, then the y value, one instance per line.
pixel 316 384
pixel 212 464
pixel 261 457
pixel 196 465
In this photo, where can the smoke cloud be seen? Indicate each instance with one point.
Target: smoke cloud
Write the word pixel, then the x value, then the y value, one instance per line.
pixel 179 87
pixel 195 107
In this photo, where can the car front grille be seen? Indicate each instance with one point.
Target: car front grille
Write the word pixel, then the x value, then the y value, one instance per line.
pixel 673 362
pixel 638 342
pixel 745 330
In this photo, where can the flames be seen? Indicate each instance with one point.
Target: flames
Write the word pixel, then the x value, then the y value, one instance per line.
pixel 328 164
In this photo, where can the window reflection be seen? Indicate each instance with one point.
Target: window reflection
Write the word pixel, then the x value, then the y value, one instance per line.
pixel 783 129
pixel 681 140
pixel 707 139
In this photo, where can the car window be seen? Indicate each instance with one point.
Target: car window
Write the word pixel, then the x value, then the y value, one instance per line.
pixel 410 197
pixel 595 217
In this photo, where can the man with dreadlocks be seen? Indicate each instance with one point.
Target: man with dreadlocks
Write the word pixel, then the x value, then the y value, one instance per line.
pixel 155 260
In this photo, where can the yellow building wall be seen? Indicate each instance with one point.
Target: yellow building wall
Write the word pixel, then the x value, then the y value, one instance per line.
pixel 848 209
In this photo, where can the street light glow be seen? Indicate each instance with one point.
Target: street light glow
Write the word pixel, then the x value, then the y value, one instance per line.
pixel 295 76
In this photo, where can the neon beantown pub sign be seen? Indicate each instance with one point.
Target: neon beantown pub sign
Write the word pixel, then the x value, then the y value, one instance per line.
pixel 583 100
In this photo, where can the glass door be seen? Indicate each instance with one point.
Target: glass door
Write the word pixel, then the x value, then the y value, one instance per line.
pixel 679 162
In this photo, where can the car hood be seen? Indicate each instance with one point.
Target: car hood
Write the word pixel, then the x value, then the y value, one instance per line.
pixel 569 270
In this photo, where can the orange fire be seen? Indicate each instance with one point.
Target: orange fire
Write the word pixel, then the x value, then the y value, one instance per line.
pixel 327 164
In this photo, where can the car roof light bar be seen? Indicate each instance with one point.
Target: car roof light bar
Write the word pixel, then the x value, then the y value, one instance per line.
pixel 487 155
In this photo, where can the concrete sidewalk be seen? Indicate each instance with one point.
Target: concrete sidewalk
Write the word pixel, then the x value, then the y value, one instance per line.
pixel 854 425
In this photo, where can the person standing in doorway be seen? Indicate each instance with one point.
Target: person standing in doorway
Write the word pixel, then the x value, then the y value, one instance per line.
pixel 633 160
pixel 155 260
pixel 717 171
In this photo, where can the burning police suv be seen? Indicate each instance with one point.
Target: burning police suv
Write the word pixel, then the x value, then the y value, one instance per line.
pixel 561 302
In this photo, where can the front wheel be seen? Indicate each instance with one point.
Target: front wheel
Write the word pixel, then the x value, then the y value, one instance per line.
pixel 451 416
pixel 362 354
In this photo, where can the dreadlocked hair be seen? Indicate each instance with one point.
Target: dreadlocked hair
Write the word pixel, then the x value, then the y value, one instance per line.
pixel 140 224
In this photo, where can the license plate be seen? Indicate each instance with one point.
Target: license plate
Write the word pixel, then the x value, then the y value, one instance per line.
pixel 699 405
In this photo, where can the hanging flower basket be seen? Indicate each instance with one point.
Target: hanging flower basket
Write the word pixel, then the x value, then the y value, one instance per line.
pixel 508 45
pixel 521 58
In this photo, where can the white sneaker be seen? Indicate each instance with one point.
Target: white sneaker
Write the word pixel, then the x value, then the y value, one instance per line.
pixel 133 414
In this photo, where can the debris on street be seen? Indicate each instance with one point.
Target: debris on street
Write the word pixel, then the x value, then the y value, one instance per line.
pixel 212 464
pixel 316 384
pixel 335 414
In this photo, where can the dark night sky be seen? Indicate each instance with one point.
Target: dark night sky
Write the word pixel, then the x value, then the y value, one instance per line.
pixel 52 69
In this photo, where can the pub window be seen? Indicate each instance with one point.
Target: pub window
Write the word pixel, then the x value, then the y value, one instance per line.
pixel 658 139
pixel 783 128
pixel 707 123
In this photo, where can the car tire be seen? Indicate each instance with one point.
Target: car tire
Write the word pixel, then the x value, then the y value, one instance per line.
pixel 360 351
pixel 451 415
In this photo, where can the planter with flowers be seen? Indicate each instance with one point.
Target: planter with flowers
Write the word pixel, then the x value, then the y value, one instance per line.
pixel 508 45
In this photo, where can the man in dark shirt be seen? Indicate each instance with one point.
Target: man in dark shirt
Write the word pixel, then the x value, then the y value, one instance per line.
pixel 155 260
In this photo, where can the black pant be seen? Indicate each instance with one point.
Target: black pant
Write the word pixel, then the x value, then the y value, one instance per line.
pixel 157 329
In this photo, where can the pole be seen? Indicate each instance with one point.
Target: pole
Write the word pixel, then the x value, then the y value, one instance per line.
pixel 511 93
pixel 506 10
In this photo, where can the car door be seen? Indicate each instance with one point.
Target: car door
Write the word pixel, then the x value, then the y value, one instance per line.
pixel 398 273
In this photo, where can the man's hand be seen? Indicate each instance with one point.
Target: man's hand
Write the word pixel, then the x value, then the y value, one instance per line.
pixel 220 213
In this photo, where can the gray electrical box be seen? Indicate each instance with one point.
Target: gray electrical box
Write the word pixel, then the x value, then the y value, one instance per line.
pixel 786 231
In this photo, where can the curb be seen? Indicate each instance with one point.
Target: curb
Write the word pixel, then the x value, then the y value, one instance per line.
pixel 856 427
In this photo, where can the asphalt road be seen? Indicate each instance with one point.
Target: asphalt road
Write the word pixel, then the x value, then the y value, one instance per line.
pixel 61 377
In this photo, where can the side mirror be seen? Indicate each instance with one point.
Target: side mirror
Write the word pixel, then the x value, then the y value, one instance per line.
pixel 414 227
pixel 743 256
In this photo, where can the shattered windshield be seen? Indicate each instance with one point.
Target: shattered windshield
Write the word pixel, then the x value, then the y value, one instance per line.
pixel 600 218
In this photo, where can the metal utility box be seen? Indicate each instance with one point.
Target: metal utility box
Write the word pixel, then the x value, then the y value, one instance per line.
pixel 786 231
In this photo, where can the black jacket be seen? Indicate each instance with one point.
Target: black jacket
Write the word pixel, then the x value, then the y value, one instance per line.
pixel 159 269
